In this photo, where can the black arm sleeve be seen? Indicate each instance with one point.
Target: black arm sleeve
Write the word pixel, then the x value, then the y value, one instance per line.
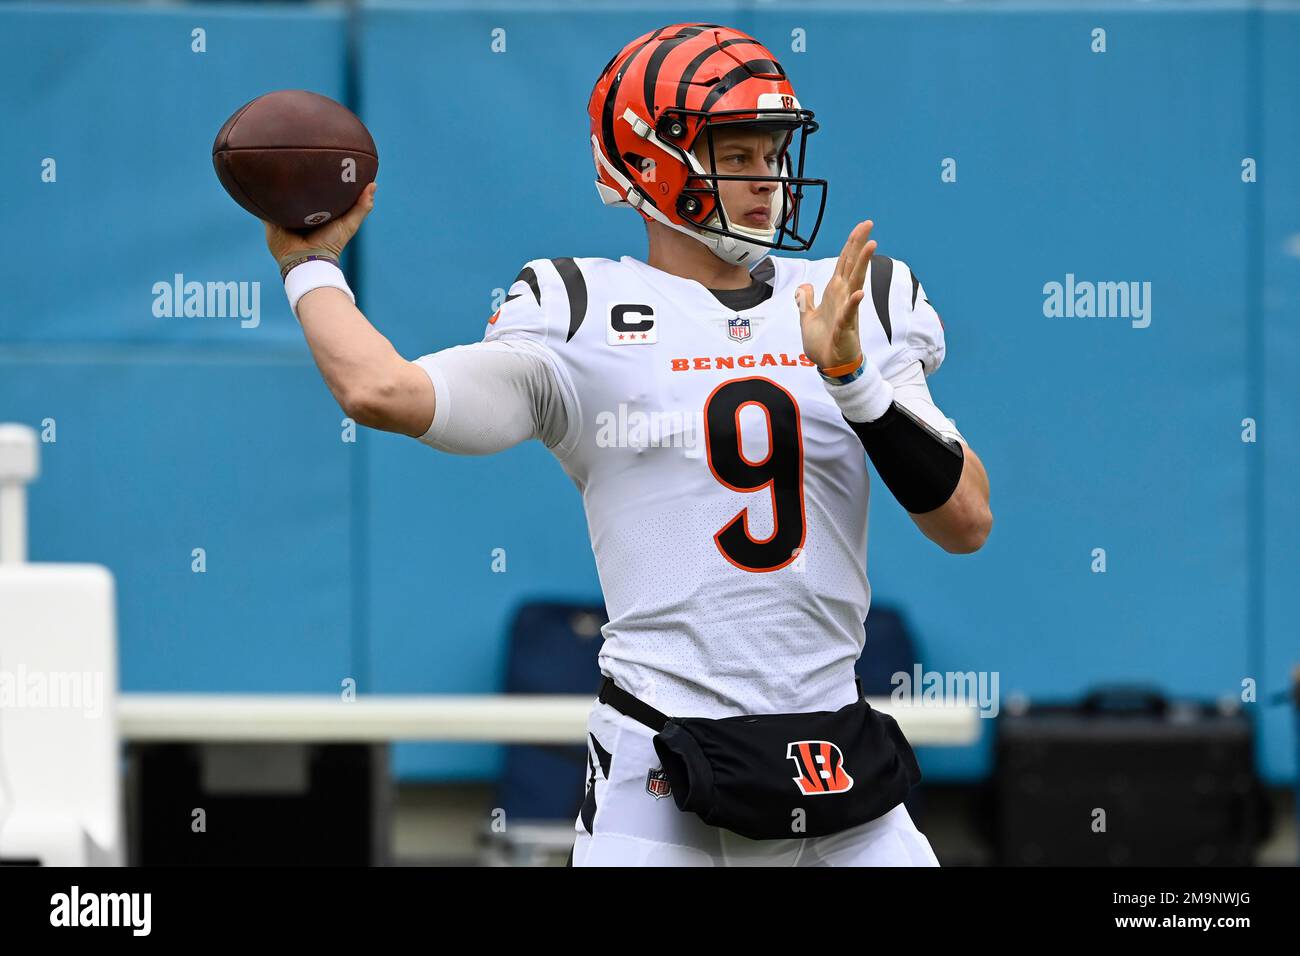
pixel 918 465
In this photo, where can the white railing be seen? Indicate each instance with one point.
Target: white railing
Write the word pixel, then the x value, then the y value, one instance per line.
pixel 500 718
pixel 18 467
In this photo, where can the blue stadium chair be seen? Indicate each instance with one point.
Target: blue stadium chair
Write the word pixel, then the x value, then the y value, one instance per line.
pixel 552 650
pixel 889 649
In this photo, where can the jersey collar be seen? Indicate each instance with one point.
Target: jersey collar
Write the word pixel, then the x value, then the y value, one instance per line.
pixel 697 294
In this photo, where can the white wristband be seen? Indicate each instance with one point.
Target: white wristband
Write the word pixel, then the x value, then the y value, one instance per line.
pixel 314 274
pixel 866 398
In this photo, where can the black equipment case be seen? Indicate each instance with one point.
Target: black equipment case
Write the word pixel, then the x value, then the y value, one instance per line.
pixel 1126 778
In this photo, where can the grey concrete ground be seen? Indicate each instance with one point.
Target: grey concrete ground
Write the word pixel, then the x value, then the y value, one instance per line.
pixel 443 825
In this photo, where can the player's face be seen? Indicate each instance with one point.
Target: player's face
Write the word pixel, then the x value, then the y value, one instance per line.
pixel 745 152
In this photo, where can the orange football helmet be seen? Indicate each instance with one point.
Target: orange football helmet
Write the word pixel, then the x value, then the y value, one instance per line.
pixel 659 95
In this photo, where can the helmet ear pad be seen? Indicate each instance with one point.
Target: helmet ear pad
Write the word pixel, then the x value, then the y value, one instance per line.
pixel 672 128
pixel 696 202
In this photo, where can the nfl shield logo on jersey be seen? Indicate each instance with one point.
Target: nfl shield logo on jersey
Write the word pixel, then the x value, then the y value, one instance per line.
pixel 738 328
pixel 656 783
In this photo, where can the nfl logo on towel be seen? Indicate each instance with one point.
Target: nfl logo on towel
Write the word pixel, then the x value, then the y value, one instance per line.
pixel 738 328
pixel 656 783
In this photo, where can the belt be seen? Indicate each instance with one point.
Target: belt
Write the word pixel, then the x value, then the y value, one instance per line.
pixel 631 706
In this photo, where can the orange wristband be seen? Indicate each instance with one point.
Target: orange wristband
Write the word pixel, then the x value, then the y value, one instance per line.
pixel 845 369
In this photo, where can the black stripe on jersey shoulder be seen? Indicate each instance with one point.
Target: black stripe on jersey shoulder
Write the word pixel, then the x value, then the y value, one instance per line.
pixel 916 284
pixel 882 271
pixel 526 274
pixel 575 286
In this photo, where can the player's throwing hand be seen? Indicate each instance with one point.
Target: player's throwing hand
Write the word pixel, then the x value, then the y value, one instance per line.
pixel 329 238
pixel 830 330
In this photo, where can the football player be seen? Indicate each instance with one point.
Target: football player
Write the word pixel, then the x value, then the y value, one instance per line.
pixel 712 403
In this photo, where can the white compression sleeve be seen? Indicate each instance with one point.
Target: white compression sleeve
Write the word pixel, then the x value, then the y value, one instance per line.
pixel 912 393
pixel 490 396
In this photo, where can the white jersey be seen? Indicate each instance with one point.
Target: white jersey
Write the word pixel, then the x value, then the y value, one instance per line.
pixel 725 495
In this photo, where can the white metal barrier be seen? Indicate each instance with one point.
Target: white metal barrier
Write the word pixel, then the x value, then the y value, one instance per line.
pixel 60 784
pixel 501 718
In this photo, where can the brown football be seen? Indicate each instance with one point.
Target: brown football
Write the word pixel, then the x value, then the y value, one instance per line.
pixel 295 158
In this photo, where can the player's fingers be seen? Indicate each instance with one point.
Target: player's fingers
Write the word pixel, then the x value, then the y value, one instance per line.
pixel 852 248
pixel 845 253
pixel 338 233
pixel 803 297
pixel 858 275
pixel 806 302
pixel 849 317
pixel 278 239
pixel 361 208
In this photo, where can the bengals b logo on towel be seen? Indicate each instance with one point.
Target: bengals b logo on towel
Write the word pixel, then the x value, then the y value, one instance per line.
pixel 821 767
